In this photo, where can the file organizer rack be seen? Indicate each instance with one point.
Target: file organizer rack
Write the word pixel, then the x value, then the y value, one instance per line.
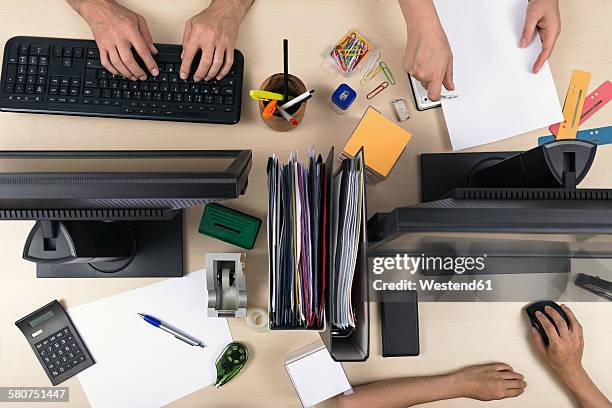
pixel 352 344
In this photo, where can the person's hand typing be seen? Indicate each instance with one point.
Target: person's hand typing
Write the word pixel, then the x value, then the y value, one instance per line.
pixel 428 57
pixel 489 382
pixel 213 31
pixel 117 30
pixel 542 16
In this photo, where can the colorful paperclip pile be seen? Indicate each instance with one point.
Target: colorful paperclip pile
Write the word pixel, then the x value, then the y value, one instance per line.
pixel 349 51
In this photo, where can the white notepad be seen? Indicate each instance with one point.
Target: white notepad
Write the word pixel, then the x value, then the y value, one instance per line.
pixel 500 97
pixel 138 365
pixel 315 376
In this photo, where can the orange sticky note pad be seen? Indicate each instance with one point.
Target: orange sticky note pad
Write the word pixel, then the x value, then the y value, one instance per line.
pixel 383 141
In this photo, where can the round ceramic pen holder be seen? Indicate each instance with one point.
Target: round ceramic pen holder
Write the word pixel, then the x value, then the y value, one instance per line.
pixel 296 87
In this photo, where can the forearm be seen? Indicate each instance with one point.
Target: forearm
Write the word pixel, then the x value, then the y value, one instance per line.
pixel 418 11
pixel 80 6
pixel 237 8
pixel 401 392
pixel 584 390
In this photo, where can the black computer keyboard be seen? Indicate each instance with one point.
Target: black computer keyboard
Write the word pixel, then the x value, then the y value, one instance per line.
pixel 65 76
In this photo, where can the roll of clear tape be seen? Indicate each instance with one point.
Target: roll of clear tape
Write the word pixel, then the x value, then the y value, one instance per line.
pixel 257 319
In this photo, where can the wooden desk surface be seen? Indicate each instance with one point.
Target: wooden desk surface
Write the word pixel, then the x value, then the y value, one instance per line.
pixel 452 334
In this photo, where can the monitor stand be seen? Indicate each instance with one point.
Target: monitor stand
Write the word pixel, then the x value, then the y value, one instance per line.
pixel 156 250
pixel 443 172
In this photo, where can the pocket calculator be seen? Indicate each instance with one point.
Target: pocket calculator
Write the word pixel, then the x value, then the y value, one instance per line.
pixel 55 341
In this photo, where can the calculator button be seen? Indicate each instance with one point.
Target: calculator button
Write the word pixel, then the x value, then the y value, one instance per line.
pixel 55 373
pixel 66 330
pixel 82 358
pixel 38 345
pixel 60 352
pixel 61 369
pixel 56 345
pixel 51 366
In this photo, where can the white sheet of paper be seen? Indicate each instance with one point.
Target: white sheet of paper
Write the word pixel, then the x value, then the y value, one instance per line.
pixel 138 365
pixel 317 377
pixel 499 96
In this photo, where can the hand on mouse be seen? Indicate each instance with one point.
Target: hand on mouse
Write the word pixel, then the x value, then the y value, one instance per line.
pixel 489 382
pixel 564 356
pixel 117 30
pixel 213 31
pixel 542 16
pixel 564 352
pixel 428 57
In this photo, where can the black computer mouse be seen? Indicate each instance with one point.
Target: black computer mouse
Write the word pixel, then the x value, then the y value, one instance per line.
pixel 539 306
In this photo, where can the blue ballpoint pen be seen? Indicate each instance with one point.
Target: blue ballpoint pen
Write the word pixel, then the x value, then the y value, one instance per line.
pixel 173 331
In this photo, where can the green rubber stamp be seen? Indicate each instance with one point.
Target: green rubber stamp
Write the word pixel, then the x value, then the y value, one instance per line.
pixel 230 362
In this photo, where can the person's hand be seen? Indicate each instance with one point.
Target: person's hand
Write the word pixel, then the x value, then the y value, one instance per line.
pixel 428 57
pixel 564 352
pixel 117 30
pixel 489 382
pixel 213 31
pixel 543 16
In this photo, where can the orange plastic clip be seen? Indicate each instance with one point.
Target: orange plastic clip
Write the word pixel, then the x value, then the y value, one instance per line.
pixel 270 108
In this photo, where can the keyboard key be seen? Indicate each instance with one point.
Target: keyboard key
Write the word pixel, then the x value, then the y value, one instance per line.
pixel 43 60
pixel 32 69
pixel 22 69
pixel 75 81
pixel 42 70
pixel 77 52
pixel 40 89
pixel 68 52
pixel 91 92
pixel 55 80
pixel 24 49
pixel 41 80
pixel 39 49
pixel 33 60
pixel 58 51
pixel 93 53
pixel 9 88
pixel 13 54
pixel 11 74
pixel 64 81
pixel 90 78
pixel 67 62
pixel 23 59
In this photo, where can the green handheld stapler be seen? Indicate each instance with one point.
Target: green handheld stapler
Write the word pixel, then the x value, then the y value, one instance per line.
pixel 230 362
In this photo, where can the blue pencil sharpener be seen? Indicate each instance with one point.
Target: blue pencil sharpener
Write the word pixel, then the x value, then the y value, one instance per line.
pixel 342 98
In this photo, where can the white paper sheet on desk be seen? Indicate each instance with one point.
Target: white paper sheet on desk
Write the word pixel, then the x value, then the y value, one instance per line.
pixel 138 365
pixel 499 95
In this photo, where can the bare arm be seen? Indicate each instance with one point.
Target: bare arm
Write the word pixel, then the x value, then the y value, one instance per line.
pixel 213 31
pixel 564 356
pixel 481 382
pixel 428 57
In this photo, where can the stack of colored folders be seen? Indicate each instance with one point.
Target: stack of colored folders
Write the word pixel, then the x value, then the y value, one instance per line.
pixel 383 143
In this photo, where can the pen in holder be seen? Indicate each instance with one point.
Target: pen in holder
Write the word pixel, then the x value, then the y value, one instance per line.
pixel 296 87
